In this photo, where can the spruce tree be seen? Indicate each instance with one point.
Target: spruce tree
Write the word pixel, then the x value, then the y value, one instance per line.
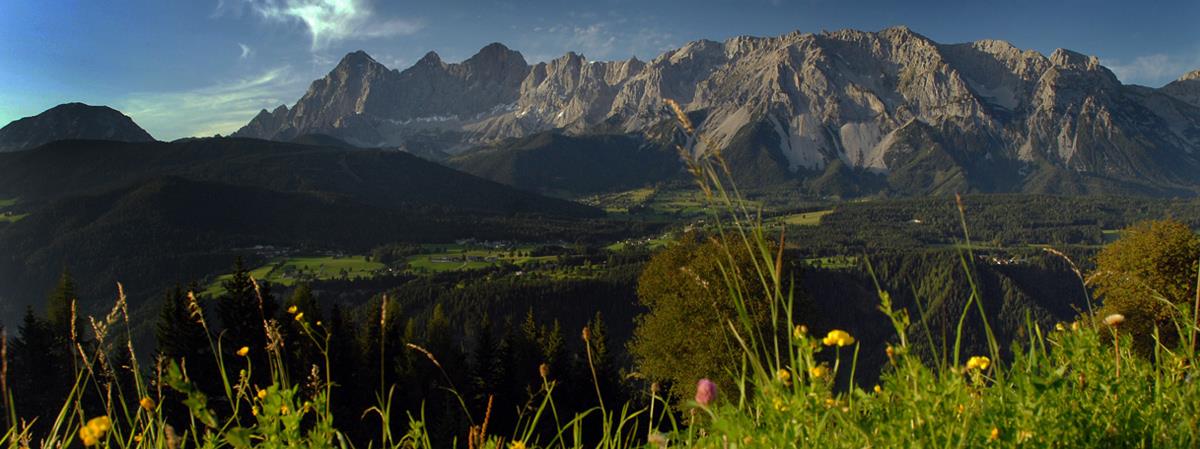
pixel 41 370
pixel 302 351
pixel 243 312
pixel 58 305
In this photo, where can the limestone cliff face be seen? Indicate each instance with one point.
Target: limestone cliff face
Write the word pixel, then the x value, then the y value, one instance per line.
pixel 995 111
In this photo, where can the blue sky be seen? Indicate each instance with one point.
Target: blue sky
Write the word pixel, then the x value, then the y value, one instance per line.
pixel 198 67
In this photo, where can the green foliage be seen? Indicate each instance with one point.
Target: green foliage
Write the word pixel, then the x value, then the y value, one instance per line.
pixel 1145 274
pixel 684 335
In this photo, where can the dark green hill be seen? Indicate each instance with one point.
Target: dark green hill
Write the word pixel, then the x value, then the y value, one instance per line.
pixel 169 230
pixel 322 140
pixel 555 163
pixel 377 177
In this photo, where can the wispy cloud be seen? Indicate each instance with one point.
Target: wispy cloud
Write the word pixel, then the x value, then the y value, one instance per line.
pixel 329 21
pixel 602 40
pixel 246 51
pixel 1154 69
pixel 217 109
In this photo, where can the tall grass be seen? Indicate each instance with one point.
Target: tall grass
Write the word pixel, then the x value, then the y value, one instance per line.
pixel 1058 388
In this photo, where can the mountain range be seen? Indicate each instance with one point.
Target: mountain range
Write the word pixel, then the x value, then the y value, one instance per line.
pixel 834 112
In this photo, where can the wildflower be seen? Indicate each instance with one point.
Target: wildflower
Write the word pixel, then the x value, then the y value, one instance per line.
pixel 657 439
pixel 878 389
pixel 283 410
pixel 254 410
pixel 891 354
pixel 1074 325
pixel 244 351
pixel 91 433
pixel 706 392
pixel 995 435
pixel 978 363
pixel 262 395
pixel 1059 327
pixel 784 376
pixel 1114 320
pixel 300 316
pixel 587 334
pixel 137 438
pixel 292 310
pixel 544 370
pixel 800 331
pixel 147 404
pixel 779 404
pixel 830 402
pixel 516 445
pixel 818 372
pixel 838 338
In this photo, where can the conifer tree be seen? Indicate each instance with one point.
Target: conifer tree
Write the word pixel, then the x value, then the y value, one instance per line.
pixel 40 371
pixel 58 305
pixel 243 313
pixel 182 338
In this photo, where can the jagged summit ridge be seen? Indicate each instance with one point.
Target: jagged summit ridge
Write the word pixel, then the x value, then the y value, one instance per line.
pixel 808 98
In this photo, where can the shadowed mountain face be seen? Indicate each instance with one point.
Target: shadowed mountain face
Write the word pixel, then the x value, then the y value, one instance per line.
pixel 153 214
pixel 71 121
pixel 1002 118
pixel 375 177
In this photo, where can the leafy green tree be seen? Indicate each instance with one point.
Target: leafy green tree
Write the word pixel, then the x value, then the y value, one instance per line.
pixel 684 335
pixel 1152 266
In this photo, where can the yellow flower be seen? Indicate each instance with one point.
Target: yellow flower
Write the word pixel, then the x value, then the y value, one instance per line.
pixel 147 404
pixel 1059 327
pixel 779 404
pixel 262 394
pixel 91 433
pixel 299 316
pixel 978 363
pixel 818 372
pixel 800 331
pixel 516 445
pixel 137 438
pixel 995 435
pixel 244 351
pixel 878 389
pixel 783 375
pixel 838 338
pixel 254 410
pixel 283 410
pixel 292 310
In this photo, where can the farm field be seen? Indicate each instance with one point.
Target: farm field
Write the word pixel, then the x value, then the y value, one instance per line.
pixel 287 271
pixel 805 218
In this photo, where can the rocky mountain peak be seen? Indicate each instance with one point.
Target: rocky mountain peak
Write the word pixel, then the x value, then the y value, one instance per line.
pixel 430 58
pixel 808 100
pixel 1190 76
